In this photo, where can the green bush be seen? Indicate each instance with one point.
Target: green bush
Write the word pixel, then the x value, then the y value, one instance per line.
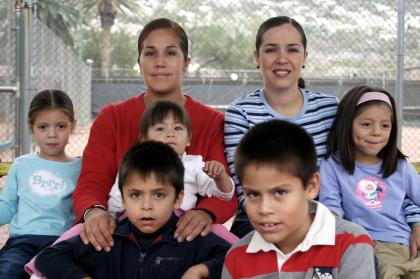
pixel 4 168
pixel 417 166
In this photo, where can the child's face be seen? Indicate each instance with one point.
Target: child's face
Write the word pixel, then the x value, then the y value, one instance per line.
pixel 149 204
pixel 371 131
pixel 277 204
pixel 170 132
pixel 51 131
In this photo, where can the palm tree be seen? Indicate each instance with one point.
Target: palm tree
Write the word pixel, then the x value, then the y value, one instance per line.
pixel 60 17
pixel 108 10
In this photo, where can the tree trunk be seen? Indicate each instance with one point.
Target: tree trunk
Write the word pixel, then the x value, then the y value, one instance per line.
pixel 107 11
pixel 106 51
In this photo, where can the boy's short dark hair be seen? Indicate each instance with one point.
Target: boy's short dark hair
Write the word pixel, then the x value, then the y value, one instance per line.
pixel 277 143
pixel 152 157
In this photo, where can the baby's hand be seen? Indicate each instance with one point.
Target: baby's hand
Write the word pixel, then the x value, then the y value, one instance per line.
pixel 214 169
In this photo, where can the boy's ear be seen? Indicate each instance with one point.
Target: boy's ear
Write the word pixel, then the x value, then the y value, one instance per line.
pixel 178 200
pixel 313 185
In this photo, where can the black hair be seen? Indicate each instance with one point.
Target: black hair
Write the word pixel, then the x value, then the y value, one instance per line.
pixel 164 23
pixel 340 142
pixel 160 110
pixel 284 145
pixel 301 83
pixel 48 99
pixel 277 21
pixel 152 157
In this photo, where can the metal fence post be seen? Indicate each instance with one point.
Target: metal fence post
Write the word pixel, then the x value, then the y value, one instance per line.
pixel 24 54
pixel 399 84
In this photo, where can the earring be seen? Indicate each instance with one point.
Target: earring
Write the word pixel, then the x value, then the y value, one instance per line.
pixel 303 67
pixel 258 67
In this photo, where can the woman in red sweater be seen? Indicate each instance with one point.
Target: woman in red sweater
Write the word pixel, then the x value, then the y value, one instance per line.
pixel 163 60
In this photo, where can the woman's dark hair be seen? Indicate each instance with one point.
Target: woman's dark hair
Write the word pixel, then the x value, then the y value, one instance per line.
pixel 47 99
pixel 339 140
pixel 278 143
pixel 152 157
pixel 159 111
pixel 164 23
pixel 301 83
pixel 277 21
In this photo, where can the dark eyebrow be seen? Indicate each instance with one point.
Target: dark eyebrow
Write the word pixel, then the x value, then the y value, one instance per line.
pixel 269 45
pixel 282 187
pixel 289 45
pixel 162 189
pixel 274 189
pixel 249 189
pixel 153 47
pixel 294 45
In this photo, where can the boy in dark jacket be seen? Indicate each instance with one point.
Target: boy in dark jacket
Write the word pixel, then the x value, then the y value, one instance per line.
pixel 151 183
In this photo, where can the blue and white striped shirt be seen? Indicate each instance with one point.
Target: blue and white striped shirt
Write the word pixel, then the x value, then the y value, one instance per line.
pixel 316 117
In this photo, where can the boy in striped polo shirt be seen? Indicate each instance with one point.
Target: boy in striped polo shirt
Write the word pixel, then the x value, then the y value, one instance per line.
pixel 295 236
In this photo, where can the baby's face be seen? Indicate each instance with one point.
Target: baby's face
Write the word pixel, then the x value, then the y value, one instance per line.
pixel 170 132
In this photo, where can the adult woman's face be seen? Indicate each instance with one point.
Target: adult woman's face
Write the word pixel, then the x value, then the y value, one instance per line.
pixel 281 57
pixel 162 62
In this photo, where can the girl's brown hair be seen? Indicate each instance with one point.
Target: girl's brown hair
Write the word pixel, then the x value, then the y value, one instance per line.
pixel 47 99
pixel 340 143
pixel 160 110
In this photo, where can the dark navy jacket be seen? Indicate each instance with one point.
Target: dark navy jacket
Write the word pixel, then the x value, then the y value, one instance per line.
pixel 165 258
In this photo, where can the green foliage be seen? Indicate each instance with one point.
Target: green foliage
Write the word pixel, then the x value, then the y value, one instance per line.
pixel 124 48
pixel 216 42
pixel 92 40
pixel 60 17
pixel 4 168
pixel 417 166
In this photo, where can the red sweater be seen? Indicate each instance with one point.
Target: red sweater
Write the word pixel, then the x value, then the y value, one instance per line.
pixel 116 129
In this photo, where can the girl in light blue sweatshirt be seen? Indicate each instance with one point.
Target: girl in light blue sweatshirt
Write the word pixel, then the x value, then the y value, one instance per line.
pixel 36 199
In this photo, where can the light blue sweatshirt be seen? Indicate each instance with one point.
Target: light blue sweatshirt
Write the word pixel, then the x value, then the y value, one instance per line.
pixel 368 199
pixel 36 198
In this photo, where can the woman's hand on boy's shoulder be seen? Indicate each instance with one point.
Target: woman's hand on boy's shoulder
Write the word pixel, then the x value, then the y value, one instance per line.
pixel 196 272
pixel 192 223
pixel 98 228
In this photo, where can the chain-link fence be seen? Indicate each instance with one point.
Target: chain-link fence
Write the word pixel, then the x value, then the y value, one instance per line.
pixel 8 88
pixel 349 42
pixel 55 65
